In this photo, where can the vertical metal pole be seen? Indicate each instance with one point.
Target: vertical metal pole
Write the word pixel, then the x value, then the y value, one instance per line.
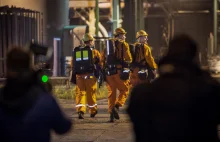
pixel 42 28
pixel 56 56
pixel 9 25
pixel 4 42
pixel 115 14
pixel 139 9
pixel 35 26
pixel 168 29
pixel 1 46
pixel 215 4
pixel 39 27
pixel 135 15
pixel 24 27
pixel 173 27
pixel 97 18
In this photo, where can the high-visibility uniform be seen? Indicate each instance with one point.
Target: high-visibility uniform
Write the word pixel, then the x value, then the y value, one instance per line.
pixel 113 81
pixel 142 57
pixel 86 85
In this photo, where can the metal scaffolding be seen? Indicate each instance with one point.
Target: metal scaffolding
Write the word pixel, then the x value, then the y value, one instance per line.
pixel 215 14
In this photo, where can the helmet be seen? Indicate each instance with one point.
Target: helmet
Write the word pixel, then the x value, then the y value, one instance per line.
pixel 119 31
pixel 88 37
pixel 141 33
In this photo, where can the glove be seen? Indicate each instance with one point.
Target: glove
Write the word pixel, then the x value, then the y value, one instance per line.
pixel 154 73
pixel 142 74
pixel 125 74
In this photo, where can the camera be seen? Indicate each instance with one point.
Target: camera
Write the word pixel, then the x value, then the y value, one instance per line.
pixel 42 70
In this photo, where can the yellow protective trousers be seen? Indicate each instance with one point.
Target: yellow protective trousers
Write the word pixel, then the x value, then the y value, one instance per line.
pixel 86 86
pixel 135 79
pixel 113 83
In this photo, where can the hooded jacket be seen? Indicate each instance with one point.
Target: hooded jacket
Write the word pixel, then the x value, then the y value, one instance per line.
pixel 182 105
pixel 28 113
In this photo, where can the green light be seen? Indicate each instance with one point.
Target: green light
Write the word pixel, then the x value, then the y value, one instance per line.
pixel 44 78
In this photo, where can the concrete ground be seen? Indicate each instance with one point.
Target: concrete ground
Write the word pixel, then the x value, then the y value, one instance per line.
pixel 96 129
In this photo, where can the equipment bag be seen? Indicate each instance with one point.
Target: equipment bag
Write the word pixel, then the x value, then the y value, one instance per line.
pixel 83 60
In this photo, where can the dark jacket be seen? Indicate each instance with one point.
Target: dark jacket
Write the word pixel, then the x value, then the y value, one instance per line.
pixel 28 113
pixel 182 105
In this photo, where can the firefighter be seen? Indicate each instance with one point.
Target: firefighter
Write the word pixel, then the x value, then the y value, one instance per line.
pixel 85 77
pixel 117 73
pixel 143 64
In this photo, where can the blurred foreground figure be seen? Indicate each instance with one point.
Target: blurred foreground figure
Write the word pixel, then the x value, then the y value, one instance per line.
pixel 182 105
pixel 27 111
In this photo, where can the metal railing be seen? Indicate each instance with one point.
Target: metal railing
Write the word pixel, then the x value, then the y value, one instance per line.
pixel 18 26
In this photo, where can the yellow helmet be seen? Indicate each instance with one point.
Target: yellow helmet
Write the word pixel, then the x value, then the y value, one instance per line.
pixel 87 37
pixel 141 33
pixel 119 31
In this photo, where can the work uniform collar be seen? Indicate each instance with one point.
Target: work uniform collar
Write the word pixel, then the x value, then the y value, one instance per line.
pixel 89 46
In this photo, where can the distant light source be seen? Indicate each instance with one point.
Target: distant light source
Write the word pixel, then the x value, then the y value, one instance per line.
pixel 105 5
pixel 185 11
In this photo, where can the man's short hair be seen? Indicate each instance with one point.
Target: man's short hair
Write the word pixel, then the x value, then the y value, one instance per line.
pixel 18 59
pixel 87 42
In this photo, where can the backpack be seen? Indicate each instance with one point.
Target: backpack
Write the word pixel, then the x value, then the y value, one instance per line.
pixel 110 53
pixel 83 60
pixel 133 50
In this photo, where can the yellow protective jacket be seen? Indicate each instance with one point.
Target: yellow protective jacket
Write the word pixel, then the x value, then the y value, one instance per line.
pixel 144 54
pixel 126 52
pixel 95 54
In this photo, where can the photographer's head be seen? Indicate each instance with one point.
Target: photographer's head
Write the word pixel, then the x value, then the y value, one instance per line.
pixel 183 47
pixel 18 62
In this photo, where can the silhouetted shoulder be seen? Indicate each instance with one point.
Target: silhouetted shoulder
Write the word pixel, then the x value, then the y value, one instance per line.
pixel 139 92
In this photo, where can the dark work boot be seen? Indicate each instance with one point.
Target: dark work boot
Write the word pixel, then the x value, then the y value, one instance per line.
pixel 115 113
pixel 81 115
pixel 93 115
pixel 111 117
pixel 117 107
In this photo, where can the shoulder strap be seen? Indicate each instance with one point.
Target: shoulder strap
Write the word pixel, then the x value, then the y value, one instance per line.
pixel 122 52
pixel 116 48
pixel 132 51
pixel 136 48
pixel 143 51
pixel 146 64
